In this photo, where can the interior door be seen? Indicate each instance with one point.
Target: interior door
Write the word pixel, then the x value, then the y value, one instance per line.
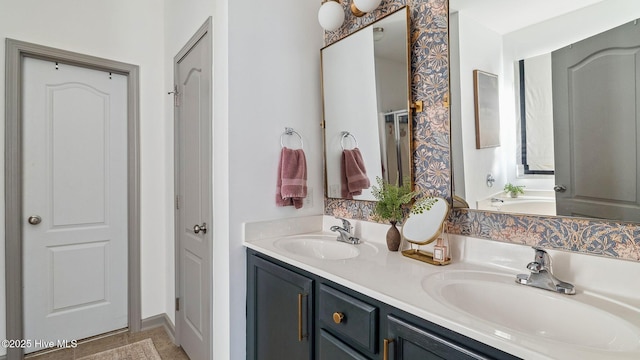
pixel 596 84
pixel 193 213
pixel 75 202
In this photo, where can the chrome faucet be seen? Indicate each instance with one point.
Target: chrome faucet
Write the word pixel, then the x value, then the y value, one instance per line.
pixel 344 232
pixel 541 275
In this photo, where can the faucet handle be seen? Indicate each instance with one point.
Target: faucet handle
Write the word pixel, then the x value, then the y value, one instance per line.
pixel 542 257
pixel 534 267
pixel 345 223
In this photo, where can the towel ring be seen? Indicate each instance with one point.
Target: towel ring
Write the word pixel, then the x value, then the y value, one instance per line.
pixel 346 134
pixel 290 131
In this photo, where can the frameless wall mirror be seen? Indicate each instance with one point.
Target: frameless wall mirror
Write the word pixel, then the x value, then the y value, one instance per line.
pixel 568 102
pixel 365 85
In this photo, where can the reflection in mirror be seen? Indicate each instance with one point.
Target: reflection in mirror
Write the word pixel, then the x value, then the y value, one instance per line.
pixel 568 106
pixel 367 126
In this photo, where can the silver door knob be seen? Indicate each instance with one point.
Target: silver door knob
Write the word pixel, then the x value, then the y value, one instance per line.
pixel 559 188
pixel 34 220
pixel 198 228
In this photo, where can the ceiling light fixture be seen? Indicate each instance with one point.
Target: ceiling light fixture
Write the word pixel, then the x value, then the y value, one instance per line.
pixel 331 15
pixel 361 7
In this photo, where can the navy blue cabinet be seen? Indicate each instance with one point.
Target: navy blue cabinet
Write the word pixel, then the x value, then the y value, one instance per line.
pixel 279 316
pixel 331 348
pixel 296 315
pixel 405 340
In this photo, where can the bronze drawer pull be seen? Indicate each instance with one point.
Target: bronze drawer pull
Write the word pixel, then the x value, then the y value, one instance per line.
pixel 338 317
pixel 385 351
pixel 301 336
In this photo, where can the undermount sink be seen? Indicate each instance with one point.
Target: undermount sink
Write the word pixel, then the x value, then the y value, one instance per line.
pixel 322 247
pixel 585 319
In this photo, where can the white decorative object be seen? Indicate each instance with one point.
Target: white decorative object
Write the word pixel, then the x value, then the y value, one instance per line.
pixel 331 15
pixel 424 228
pixel 367 5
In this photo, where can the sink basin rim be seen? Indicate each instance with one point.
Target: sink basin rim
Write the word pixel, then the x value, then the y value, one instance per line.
pixel 321 247
pixel 454 289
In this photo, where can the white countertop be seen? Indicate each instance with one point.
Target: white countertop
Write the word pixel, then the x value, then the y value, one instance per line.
pixel 398 281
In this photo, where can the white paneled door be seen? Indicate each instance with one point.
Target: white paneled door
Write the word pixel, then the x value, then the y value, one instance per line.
pixel 193 211
pixel 596 111
pixel 74 202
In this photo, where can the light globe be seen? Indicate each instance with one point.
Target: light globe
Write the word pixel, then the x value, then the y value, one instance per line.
pixel 331 15
pixel 367 5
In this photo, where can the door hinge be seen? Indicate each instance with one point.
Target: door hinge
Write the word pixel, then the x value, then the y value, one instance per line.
pixel 176 96
pixel 177 202
pixel 177 304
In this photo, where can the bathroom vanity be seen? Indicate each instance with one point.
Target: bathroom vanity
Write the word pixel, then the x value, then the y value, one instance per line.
pixel 295 314
pixel 312 297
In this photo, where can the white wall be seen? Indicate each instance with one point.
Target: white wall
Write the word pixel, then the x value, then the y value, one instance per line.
pixel 273 82
pixel 120 30
pixel 479 48
pixel 391 83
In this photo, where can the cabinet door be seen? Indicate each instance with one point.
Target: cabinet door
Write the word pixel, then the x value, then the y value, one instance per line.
pixel 409 342
pixel 330 348
pixel 278 312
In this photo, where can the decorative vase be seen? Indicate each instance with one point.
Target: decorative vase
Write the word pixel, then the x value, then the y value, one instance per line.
pixel 393 237
pixel 514 195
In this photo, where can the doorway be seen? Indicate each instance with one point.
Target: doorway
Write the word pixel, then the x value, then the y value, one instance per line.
pixel 15 204
pixel 193 186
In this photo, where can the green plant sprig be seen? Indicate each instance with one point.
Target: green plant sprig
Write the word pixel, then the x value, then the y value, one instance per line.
pixel 514 189
pixel 395 202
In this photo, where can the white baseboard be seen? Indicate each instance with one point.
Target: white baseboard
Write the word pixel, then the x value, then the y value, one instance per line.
pixel 157 321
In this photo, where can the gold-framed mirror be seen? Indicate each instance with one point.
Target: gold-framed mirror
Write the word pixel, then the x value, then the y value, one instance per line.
pixel 480 42
pixel 366 96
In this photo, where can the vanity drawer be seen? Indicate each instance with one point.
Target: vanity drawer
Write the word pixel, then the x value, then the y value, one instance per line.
pixel 330 348
pixel 349 318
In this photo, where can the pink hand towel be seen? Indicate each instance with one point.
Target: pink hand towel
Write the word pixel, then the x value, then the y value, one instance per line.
pixel 292 178
pixel 354 174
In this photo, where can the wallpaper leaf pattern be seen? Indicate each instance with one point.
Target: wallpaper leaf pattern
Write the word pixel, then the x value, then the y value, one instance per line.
pixel 432 157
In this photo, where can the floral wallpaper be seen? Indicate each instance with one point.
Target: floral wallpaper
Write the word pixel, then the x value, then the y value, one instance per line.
pixel 618 240
pixel 432 158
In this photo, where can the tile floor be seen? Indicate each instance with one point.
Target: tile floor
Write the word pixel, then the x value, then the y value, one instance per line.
pixel 166 348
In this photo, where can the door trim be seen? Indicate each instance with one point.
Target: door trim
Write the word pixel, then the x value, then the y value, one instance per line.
pixel 15 51
pixel 206 28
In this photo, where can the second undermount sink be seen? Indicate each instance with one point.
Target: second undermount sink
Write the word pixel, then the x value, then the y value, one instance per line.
pixel 322 247
pixel 585 319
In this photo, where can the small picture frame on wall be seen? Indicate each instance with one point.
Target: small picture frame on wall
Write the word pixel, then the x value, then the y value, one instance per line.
pixel 487 109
